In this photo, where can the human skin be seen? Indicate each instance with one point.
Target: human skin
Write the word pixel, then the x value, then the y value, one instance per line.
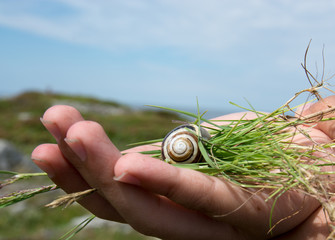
pixel 167 202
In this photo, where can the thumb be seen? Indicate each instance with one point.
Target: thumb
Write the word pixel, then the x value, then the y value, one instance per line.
pixel 324 108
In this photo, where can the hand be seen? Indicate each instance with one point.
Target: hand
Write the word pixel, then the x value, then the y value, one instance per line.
pixel 161 200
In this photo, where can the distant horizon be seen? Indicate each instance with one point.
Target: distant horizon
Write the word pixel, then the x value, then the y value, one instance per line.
pixel 210 113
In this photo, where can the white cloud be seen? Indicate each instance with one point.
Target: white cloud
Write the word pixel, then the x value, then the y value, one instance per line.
pixel 195 25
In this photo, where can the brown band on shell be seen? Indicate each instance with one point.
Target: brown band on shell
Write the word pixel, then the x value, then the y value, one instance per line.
pixel 181 145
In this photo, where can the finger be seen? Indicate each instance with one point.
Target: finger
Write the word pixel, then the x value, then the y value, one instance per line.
pixel 58 119
pixel 95 152
pixel 317 226
pixel 49 158
pixel 225 119
pixel 328 127
pixel 97 156
pixel 157 216
pixel 211 195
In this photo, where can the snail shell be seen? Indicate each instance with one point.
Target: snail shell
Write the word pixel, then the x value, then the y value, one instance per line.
pixel 181 144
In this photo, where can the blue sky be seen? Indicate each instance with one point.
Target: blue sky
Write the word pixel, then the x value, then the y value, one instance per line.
pixel 166 52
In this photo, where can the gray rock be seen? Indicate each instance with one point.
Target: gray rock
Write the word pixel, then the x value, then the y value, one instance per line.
pixel 97 108
pixel 12 159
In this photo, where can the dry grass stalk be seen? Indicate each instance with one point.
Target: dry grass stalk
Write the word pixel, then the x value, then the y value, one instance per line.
pixel 70 198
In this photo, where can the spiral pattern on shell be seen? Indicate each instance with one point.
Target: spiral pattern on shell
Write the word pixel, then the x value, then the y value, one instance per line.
pixel 181 144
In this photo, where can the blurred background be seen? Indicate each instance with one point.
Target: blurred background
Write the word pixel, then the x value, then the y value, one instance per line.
pixel 165 52
pixel 111 58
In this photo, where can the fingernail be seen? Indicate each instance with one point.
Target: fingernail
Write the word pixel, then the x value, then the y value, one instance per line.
pixel 44 166
pixel 52 128
pixel 127 178
pixel 77 147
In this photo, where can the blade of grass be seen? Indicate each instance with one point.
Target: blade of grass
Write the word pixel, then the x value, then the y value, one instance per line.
pixel 22 195
pixel 74 231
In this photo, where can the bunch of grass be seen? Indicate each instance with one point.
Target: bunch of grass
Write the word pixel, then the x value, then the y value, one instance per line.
pixel 261 153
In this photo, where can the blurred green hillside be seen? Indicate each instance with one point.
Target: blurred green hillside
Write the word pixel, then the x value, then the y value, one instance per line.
pixel 20 119
pixel 20 124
